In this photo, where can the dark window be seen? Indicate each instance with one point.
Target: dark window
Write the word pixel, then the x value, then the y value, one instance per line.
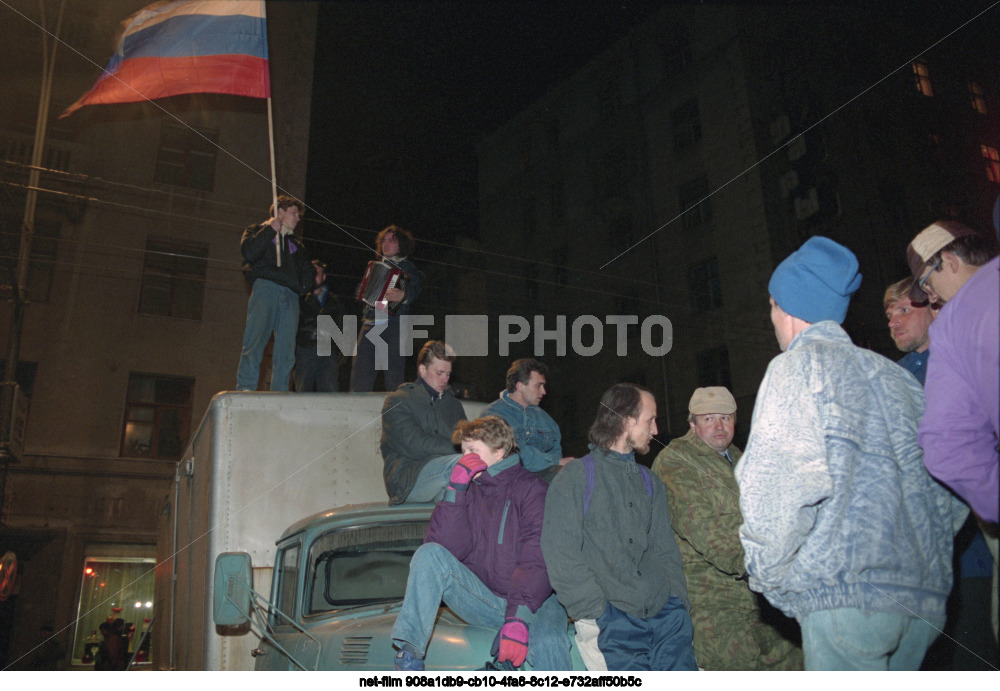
pixel 713 368
pixel 622 235
pixel 613 175
pixel 561 258
pixel 609 101
pixel 527 155
pixel 706 288
pixel 186 157
pixel 529 217
pixel 157 416
pixel 41 267
pixel 557 199
pixel 695 204
pixel 677 52
pixel 173 279
pixel 24 374
pixel 685 123
pixel 531 283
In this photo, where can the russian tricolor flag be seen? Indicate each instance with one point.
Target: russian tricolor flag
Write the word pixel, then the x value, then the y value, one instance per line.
pixel 183 47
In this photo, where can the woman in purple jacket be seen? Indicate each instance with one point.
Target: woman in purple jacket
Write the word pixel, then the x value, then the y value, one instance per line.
pixel 482 557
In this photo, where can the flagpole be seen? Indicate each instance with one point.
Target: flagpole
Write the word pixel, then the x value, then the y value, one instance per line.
pixel 270 141
pixel 24 254
pixel 274 175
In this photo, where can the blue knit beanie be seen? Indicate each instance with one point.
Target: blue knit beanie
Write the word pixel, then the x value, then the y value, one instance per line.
pixel 816 282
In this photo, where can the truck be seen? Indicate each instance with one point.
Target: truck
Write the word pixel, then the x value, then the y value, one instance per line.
pixel 338 585
pixel 282 494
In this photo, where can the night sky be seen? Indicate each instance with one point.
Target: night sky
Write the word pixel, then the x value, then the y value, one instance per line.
pixel 404 91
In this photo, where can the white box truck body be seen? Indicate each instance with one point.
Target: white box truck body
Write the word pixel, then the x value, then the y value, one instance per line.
pixel 257 463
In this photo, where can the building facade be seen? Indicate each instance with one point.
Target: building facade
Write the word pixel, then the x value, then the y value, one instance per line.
pixel 136 303
pixel 674 171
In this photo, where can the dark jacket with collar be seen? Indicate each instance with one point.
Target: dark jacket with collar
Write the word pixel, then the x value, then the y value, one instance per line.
pixel 415 429
pixel 622 552
pixel 260 259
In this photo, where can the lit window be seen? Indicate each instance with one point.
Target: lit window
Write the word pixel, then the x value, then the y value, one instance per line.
pixel 922 77
pixel 116 583
pixel 992 163
pixel 976 94
pixel 186 157
pixel 157 416
pixel 173 279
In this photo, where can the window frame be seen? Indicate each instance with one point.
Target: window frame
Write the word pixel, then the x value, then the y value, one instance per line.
pixel 186 156
pixel 156 423
pixel 174 254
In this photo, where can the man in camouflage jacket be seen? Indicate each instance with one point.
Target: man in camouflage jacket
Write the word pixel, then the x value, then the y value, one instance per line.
pixel 729 633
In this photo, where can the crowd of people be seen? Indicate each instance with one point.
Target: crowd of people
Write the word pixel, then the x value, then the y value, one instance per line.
pixel 826 545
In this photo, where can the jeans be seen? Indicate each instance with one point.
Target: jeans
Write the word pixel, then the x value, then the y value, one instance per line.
pixel 436 576
pixel 661 642
pixel 272 308
pixel 852 639
pixel 433 480
pixel 380 355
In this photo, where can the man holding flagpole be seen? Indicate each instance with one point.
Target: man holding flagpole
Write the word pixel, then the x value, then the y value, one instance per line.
pixel 278 267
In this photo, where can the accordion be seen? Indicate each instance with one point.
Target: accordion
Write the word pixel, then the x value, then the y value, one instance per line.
pixel 381 277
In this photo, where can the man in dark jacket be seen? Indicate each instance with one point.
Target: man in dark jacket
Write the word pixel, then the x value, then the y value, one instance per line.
pixel 481 556
pixel 610 550
pixel 316 371
pixel 379 347
pixel 277 266
pixel 417 421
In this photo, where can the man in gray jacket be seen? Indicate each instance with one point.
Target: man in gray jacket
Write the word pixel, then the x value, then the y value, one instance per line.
pixel 609 548
pixel 417 421
pixel 843 528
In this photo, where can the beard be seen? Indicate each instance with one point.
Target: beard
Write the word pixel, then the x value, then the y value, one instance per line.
pixel 640 447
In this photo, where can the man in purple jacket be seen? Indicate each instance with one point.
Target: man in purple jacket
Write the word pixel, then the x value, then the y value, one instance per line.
pixel 959 429
pixel 482 557
pixel 961 424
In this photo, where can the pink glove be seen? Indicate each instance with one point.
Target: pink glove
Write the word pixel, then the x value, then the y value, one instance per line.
pixel 468 466
pixel 513 642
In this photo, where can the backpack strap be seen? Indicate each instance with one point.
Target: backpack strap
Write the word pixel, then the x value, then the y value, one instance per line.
pixel 646 479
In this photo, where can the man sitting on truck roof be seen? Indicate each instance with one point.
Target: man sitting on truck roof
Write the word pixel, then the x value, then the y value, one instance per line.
pixel 417 420
pixel 482 557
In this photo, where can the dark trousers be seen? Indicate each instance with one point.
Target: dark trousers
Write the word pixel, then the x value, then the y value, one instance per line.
pixel 315 372
pixel 366 364
pixel 661 642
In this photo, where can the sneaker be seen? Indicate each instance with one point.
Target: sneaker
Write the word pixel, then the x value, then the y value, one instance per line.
pixel 407 661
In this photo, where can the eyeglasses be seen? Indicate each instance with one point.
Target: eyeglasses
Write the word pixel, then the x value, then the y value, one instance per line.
pixel 923 281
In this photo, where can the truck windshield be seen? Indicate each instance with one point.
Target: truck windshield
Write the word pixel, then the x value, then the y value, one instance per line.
pixel 361 566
